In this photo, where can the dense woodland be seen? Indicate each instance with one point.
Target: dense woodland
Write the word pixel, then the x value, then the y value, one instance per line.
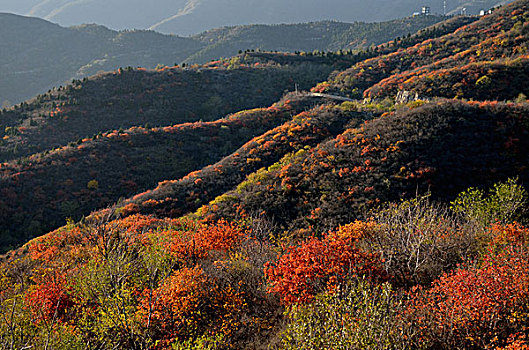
pixel 233 222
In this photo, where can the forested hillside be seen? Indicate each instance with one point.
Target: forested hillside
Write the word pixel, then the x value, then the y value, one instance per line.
pixel 116 164
pixel 386 209
pixel 125 131
pixel 437 148
pixel 134 97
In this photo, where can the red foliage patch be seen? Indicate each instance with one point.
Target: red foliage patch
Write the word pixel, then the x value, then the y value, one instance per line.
pixel 475 306
pixel 322 264
pixel 192 245
pixel 50 301
pixel 187 304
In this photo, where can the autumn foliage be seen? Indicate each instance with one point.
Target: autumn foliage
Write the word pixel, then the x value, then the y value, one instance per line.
pixel 51 301
pixel 192 246
pixel 478 305
pixel 363 224
pixel 323 264
pixel 160 283
pixel 188 304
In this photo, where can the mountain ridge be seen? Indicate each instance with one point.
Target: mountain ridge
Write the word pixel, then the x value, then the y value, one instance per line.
pixel 189 17
pixel 30 68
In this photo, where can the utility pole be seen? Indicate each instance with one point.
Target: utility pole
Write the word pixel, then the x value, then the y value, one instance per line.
pixel 444 7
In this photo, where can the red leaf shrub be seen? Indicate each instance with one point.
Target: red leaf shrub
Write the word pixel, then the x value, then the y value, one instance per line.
pixel 188 304
pixel 195 244
pixel 323 264
pixel 475 306
pixel 50 302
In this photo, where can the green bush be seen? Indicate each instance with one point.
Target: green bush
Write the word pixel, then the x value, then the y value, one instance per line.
pixel 206 342
pixel 504 203
pixel 359 316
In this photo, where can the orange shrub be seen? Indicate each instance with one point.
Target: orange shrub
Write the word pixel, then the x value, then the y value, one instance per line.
pixel 510 234
pixel 60 247
pixel 187 305
pixel 475 306
pixel 323 264
pixel 195 244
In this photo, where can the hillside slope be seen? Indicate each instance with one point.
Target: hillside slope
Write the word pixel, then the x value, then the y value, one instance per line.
pixel 295 205
pixel 179 197
pixel 498 37
pixel 159 98
pixel 63 155
pixel 437 148
pixel 40 193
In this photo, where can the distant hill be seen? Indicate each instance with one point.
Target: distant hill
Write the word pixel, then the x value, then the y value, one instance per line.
pixel 327 36
pixel 189 17
pixel 30 67
pixel 172 95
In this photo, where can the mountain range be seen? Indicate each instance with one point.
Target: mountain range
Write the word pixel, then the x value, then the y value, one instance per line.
pixel 53 130
pixel 187 17
pixel 30 67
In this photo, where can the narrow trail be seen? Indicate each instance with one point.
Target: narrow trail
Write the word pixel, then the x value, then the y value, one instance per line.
pixel 334 97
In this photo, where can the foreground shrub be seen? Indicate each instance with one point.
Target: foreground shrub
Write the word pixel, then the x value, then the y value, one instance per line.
pixel 419 240
pixel 323 264
pixel 358 316
pixel 187 305
pixel 475 306
pixel 191 245
pixel 51 301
